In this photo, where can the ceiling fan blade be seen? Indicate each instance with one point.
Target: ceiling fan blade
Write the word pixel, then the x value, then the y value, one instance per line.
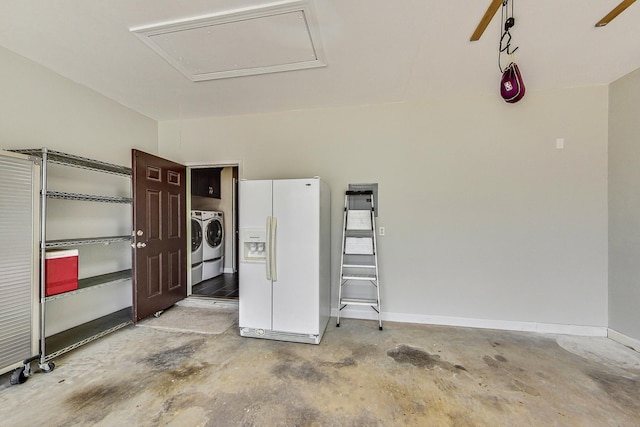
pixel 488 16
pixel 615 12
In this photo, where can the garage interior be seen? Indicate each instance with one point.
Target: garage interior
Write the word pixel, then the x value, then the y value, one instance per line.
pixel 509 281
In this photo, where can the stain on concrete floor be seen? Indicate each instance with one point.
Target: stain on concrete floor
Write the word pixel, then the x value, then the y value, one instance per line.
pixel 624 391
pixel 406 354
pixel 172 357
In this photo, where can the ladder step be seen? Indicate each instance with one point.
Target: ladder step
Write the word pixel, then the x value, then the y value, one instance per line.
pixel 359 220
pixel 358 246
pixel 358 266
pixel 351 232
pixel 359 277
pixel 359 301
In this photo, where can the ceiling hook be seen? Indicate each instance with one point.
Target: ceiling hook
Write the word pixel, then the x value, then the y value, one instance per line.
pixel 510 22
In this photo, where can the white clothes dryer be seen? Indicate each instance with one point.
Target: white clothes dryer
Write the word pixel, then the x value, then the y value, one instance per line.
pixel 197 244
pixel 213 244
pixel 213 232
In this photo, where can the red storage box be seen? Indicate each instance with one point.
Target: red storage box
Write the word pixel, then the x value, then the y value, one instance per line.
pixel 61 271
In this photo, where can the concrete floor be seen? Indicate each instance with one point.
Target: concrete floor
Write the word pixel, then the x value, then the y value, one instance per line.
pixel 358 376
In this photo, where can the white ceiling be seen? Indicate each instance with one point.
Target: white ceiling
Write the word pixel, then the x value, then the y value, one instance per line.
pixel 377 51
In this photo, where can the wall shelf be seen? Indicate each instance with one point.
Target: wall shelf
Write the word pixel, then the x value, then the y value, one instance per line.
pixel 76 161
pixel 95 282
pixel 87 197
pixel 65 243
pixel 73 338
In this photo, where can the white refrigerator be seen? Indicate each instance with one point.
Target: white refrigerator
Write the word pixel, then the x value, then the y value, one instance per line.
pixel 285 259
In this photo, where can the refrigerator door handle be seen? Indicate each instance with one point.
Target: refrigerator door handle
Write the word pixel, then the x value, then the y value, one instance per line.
pixel 272 249
pixel 267 248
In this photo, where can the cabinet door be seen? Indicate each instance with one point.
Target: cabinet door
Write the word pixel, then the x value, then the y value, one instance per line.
pixel 197 187
pixel 18 259
pixel 206 182
pixel 213 183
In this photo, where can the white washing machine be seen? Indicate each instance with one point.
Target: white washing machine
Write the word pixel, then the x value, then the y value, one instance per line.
pixel 197 244
pixel 213 244
pixel 197 247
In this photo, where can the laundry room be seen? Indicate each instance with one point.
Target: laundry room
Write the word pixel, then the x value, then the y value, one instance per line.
pixel 214 269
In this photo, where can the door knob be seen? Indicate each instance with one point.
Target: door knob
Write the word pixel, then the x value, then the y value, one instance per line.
pixel 141 245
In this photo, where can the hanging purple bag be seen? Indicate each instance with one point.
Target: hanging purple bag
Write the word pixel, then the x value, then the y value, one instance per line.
pixel 511 85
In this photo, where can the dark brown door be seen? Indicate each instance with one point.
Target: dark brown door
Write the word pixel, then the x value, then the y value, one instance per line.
pixel 160 236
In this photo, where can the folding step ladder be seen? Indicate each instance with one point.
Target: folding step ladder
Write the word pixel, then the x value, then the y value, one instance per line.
pixel 359 258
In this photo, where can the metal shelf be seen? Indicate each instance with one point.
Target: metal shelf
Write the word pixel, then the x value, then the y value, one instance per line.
pixel 95 282
pixel 58 344
pixel 87 197
pixel 77 161
pixel 86 241
pixel 75 337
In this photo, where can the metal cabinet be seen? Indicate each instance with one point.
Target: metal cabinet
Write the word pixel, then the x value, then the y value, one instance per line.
pixel 19 176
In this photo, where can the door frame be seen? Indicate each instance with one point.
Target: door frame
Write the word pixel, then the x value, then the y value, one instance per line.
pixel 235 208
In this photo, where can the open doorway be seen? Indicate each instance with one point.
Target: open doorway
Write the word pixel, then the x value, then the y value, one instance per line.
pixel 214 231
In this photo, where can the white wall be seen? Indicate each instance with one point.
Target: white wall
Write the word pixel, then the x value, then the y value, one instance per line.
pixel 485 218
pixel 624 206
pixel 39 108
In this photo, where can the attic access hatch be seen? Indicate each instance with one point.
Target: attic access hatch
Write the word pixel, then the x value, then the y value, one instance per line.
pixel 258 40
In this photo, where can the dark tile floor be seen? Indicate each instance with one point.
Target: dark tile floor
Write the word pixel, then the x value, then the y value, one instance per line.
pixel 223 286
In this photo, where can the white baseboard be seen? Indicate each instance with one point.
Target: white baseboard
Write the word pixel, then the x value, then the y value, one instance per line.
pixel 624 339
pixel 228 270
pixel 507 325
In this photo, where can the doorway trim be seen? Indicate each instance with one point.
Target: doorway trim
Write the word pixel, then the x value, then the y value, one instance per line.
pixel 208 165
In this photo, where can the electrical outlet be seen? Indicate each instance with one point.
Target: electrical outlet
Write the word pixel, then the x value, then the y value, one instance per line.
pixel 381 232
